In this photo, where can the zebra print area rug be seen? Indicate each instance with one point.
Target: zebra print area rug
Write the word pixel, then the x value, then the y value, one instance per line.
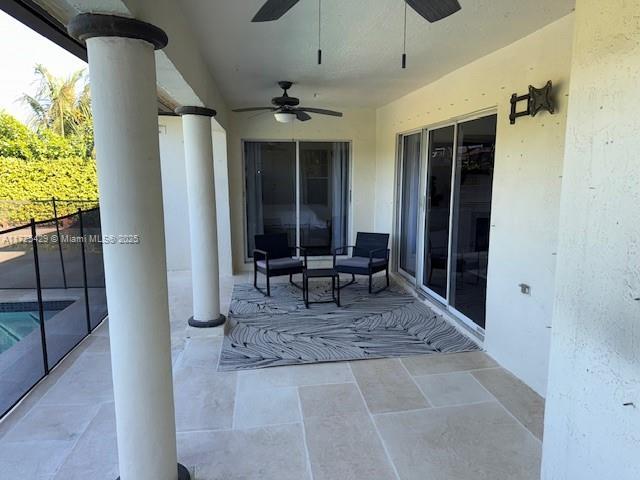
pixel 268 332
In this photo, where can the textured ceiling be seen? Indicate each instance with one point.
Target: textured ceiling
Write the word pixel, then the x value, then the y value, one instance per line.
pixel 362 46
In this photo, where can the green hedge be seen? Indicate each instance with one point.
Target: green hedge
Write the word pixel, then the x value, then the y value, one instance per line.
pixel 23 181
pixel 18 141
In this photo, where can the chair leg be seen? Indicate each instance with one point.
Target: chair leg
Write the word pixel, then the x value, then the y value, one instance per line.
pixel 301 287
pixel 305 290
pixel 370 281
pixel 255 284
pixel 386 286
pixel 350 282
pixel 268 287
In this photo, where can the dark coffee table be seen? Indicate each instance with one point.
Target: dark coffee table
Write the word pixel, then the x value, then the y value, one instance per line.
pixel 321 273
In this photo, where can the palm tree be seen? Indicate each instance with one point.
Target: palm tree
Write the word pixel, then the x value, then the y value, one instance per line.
pixel 60 104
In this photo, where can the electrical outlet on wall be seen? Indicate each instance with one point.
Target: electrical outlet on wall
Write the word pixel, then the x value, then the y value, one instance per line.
pixel 525 289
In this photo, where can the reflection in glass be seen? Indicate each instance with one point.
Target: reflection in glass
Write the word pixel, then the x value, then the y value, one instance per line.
pixel 436 245
pixel 271 189
pixel 410 202
pixel 471 217
pixel 324 176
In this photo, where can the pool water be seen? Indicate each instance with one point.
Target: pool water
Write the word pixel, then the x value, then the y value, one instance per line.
pixel 17 320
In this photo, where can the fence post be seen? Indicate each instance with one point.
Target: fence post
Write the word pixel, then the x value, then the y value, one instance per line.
pixel 43 336
pixel 84 273
pixel 55 216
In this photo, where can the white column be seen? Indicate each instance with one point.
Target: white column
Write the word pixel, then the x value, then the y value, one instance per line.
pixel 198 152
pixel 124 105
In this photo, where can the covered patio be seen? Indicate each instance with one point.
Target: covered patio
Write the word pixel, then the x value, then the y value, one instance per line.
pixel 434 415
pixel 490 143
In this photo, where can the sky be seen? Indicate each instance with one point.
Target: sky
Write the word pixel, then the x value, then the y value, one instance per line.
pixel 20 50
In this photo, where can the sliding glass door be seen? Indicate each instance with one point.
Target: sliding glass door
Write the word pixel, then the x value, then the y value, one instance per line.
pixel 453 238
pixel 300 188
pixel 438 185
pixel 271 189
pixel 472 217
pixel 410 185
pixel 324 196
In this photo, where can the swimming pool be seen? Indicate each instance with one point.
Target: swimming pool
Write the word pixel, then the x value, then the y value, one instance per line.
pixel 19 319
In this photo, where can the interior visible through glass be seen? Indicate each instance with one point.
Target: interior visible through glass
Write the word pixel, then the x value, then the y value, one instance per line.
pixel 271 189
pixel 410 202
pixel 271 196
pixel 436 245
pixel 324 176
pixel 472 217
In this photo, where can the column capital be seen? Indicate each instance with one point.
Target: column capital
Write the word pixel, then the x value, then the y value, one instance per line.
pixel 193 110
pixel 90 25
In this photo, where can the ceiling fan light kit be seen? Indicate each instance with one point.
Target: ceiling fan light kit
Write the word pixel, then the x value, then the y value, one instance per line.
pixel 286 109
pixel 284 117
pixel 430 10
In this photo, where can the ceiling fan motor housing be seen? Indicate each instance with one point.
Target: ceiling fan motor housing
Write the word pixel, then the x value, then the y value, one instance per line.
pixel 285 101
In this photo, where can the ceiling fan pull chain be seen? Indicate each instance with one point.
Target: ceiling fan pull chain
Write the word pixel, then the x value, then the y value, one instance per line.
pixel 404 45
pixel 319 32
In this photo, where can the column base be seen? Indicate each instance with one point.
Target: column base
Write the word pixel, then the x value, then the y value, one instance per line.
pixel 208 323
pixel 183 473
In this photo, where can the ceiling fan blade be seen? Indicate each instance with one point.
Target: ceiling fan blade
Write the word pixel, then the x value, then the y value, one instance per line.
pixel 273 10
pixel 302 116
pixel 321 111
pixel 253 109
pixel 434 10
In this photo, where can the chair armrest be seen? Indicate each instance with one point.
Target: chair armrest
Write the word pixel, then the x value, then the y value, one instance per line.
pixel 372 252
pixel 261 252
pixel 340 249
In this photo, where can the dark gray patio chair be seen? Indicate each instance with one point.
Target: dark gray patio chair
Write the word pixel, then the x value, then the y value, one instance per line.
pixel 272 257
pixel 370 255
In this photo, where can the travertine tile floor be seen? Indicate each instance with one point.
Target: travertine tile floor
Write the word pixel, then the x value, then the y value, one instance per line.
pixel 442 417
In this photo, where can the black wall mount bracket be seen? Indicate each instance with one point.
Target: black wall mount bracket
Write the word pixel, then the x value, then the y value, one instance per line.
pixel 537 99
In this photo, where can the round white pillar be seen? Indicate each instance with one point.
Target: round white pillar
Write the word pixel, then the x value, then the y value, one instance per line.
pixel 198 153
pixel 124 104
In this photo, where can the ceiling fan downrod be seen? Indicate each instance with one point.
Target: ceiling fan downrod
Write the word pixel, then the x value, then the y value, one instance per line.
pixel 319 32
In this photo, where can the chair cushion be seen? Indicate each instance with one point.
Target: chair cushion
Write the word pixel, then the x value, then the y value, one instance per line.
pixel 360 262
pixel 280 263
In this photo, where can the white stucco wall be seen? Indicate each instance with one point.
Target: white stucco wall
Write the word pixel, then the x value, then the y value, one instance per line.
pixel 182 71
pixel 526 185
pixel 223 212
pixel 174 194
pixel 592 424
pixel 357 126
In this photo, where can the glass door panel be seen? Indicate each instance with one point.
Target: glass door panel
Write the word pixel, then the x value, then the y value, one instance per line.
pixel 271 190
pixel 438 185
pixel 476 141
pixel 324 192
pixel 410 202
